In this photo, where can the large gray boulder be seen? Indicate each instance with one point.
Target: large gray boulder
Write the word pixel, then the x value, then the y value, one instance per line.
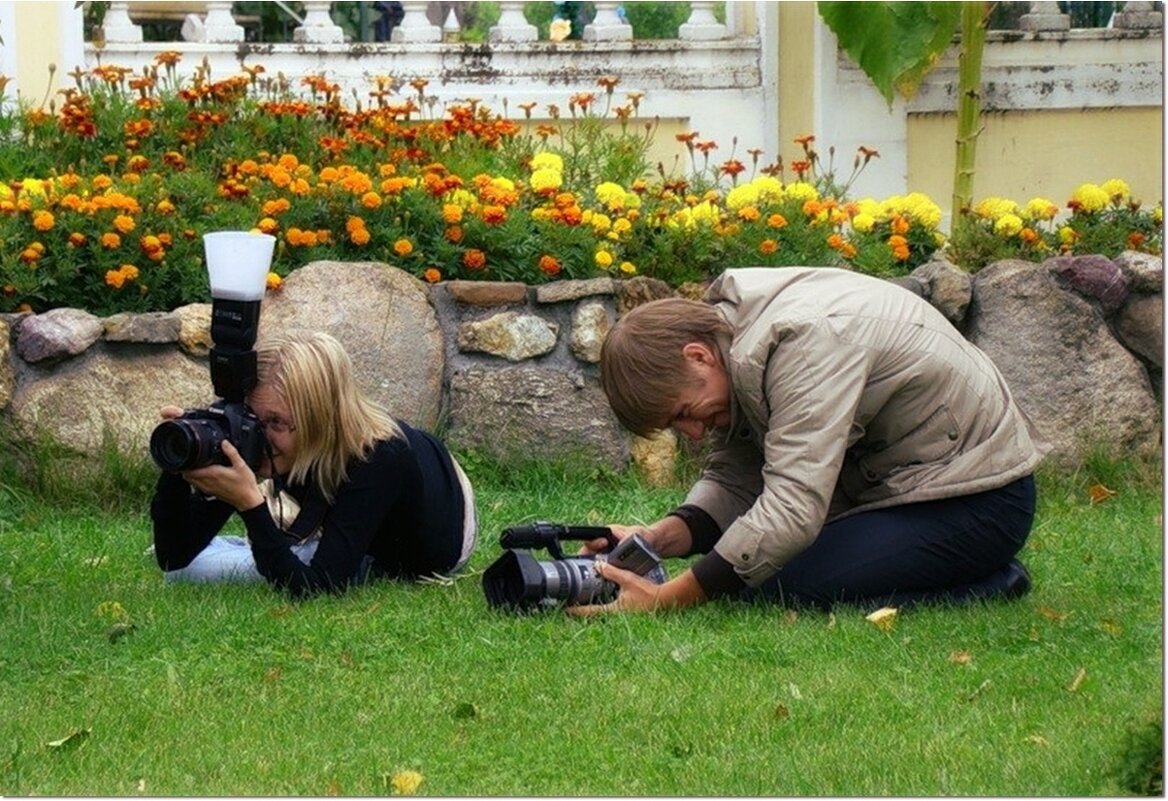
pixel 385 321
pixel 1080 387
pixel 110 394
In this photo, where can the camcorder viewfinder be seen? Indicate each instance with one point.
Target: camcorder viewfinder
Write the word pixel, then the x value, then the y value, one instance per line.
pixel 519 582
pixel 237 265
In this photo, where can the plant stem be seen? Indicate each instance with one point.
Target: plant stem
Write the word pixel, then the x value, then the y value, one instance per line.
pixel 973 31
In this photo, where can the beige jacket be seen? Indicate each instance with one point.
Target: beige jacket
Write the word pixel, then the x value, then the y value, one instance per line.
pixel 851 393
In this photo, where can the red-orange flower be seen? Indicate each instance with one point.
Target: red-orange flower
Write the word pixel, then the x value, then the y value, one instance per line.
pixel 549 265
pixel 432 275
pixel 474 259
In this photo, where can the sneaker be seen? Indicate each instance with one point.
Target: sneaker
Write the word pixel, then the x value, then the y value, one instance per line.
pixel 1017 580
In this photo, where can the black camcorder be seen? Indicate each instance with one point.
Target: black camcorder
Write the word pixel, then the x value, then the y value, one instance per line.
pixel 196 438
pixel 519 582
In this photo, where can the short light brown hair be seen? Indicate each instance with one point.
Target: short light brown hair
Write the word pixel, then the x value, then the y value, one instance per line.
pixel 641 360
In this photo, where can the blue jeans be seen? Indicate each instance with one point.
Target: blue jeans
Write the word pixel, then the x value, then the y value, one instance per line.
pixel 953 551
pixel 229 558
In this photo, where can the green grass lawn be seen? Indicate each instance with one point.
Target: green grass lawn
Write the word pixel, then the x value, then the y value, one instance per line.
pixel 233 690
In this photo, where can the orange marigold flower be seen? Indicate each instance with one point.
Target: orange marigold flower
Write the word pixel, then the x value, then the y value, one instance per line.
pixel 77 239
pixel 804 139
pixel 164 207
pixel 1028 235
pixel 493 215
pixel 1135 240
pixel 432 275
pixel 767 247
pixel 101 182
pixel 835 241
pixel 268 225
pixel 115 278
pixel 454 233
pixel 124 223
pixel 897 241
pixel 110 240
pixel 900 253
pixel 749 213
pixel 359 236
pixel 42 220
pixel 899 225
pixel 474 259
pixel 776 221
pixel 30 255
pixel 549 265
pixel 451 213
pixel 403 247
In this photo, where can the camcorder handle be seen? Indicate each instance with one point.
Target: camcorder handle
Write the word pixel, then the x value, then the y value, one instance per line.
pixel 542 534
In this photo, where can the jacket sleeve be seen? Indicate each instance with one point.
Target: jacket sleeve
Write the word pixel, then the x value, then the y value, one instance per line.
pixel 184 521
pixel 810 406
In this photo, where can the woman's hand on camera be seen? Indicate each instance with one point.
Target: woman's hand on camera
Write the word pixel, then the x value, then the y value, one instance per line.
pixel 170 412
pixel 234 484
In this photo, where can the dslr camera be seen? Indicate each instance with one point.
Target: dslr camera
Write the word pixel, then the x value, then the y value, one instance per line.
pixel 238 263
pixel 519 582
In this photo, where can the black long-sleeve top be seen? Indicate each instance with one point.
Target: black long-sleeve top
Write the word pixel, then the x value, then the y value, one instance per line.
pixel 403 506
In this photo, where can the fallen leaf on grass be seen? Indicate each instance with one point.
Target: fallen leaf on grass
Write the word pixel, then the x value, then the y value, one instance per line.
pixel 112 611
pixel 1052 614
pixel 1077 682
pixel 1037 739
pixel 95 561
pixel 883 618
pixel 70 740
pixel 781 712
pixel 404 782
pixel 790 616
pixel 1111 627
pixel 1100 493
pixel 981 688
pixel 119 630
pixel 960 657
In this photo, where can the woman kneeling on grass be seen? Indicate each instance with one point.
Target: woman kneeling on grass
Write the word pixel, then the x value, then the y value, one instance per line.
pixel 862 450
pixel 353 493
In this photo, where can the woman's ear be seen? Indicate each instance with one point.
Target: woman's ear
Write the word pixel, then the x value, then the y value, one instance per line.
pixel 700 353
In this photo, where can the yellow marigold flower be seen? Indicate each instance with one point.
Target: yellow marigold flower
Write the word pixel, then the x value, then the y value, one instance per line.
pixel 769 189
pixel 406 782
pixel 403 247
pixel 600 222
pixel 801 192
pixel 611 195
pixel 164 207
pixel 622 226
pixel 268 225
pixel 1067 235
pixel 1117 190
pixel 124 223
pixel 994 208
pixel 741 197
pixel 546 180
pixel 110 240
pixel 77 239
pixel 1039 208
pixel 546 161
pixel 863 222
pixel 42 220
pixel 603 259
pixel 1158 215
pixel 371 200
pixel 273 281
pixel 628 268
pixel 1008 225
pixel 1090 197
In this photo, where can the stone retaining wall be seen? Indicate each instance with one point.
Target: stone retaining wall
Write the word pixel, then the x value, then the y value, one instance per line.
pixel 511 369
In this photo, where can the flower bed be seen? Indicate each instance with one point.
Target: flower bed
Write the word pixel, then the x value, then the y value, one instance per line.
pixel 108 193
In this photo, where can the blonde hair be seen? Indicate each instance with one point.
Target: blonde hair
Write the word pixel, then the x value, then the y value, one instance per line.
pixel 335 421
pixel 641 361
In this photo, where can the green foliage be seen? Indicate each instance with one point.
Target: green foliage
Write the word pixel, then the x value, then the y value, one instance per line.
pixel 895 44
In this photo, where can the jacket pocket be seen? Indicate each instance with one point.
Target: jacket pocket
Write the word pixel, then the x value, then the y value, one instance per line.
pixel 933 441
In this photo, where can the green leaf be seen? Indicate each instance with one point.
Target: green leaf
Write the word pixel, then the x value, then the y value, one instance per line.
pixel 895 44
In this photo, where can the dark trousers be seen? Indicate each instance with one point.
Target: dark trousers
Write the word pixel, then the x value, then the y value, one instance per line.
pixel 952 551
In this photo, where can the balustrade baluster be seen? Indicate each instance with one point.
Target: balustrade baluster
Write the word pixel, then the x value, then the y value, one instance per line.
pixel 318 26
pixel 1138 15
pixel 513 25
pixel 1045 17
pixel 415 25
pixel 607 26
pixel 117 25
pixel 217 26
pixel 702 25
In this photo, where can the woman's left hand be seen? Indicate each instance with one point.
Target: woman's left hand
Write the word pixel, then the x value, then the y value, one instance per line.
pixel 234 484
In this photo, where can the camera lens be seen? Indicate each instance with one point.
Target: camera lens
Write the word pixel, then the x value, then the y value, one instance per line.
pixel 518 581
pixel 181 444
